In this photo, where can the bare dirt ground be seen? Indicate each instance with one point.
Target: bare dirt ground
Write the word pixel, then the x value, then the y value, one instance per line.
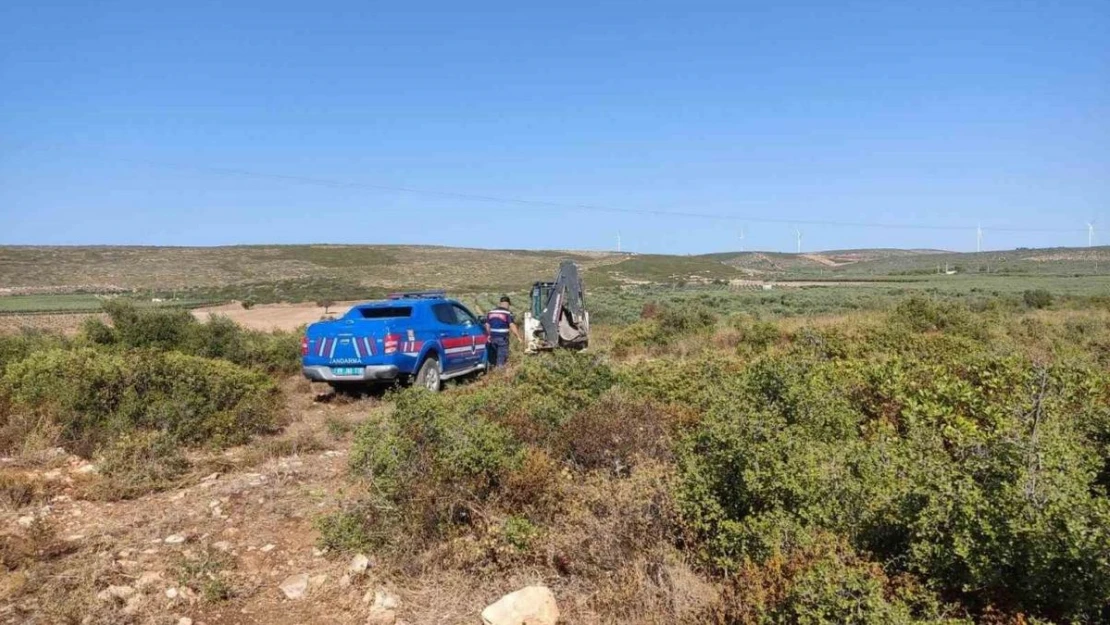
pixel 828 262
pixel 266 317
pixel 271 316
pixel 246 517
pixel 66 323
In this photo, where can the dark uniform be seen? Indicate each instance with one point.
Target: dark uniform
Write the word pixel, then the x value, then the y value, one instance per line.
pixel 500 321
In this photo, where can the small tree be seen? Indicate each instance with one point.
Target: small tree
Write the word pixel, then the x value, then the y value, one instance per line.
pixel 247 303
pixel 325 304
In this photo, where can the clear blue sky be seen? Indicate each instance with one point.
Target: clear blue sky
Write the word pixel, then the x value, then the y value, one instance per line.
pixel 943 113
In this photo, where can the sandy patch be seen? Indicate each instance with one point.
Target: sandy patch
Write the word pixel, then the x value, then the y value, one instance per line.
pixel 272 316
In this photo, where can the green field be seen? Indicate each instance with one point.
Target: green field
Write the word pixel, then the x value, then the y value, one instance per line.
pixel 54 303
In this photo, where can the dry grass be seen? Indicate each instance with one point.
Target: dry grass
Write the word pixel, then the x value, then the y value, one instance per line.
pixel 182 267
pixel 608 553
pixel 19 489
pixel 35 542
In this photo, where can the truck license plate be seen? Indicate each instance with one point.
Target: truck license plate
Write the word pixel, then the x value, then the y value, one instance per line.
pixel 347 370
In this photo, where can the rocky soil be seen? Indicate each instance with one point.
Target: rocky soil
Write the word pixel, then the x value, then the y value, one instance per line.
pixel 235 544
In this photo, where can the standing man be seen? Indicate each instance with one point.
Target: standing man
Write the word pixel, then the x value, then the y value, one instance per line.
pixel 499 323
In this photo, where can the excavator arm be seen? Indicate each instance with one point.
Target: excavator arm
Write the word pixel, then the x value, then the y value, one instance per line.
pixel 558 316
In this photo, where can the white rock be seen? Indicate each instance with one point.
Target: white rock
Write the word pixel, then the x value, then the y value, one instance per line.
pixel 345 581
pixel 221 545
pixel 184 621
pixel 381 616
pixel 171 593
pixel 295 586
pixel 211 477
pixel 359 564
pixel 86 468
pixel 26 521
pixel 268 548
pixel 174 539
pixel 533 605
pixel 382 599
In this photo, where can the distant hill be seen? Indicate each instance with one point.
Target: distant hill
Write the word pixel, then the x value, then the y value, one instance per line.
pixel 294 269
pixel 385 266
pixel 895 262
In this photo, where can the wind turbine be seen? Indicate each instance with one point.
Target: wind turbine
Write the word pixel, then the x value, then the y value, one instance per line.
pixel 618 241
pixel 979 238
pixel 798 236
pixel 741 239
pixel 1090 233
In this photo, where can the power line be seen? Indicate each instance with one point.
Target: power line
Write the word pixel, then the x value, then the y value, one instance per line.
pixel 342 184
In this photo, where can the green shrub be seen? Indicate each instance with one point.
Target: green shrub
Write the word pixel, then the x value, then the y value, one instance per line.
pixel 177 330
pixel 569 377
pixel 1037 298
pixel 970 471
pixel 435 457
pixel 925 315
pixel 161 329
pixel 665 325
pixel 519 533
pixel 98 332
pixel 674 320
pixel 16 347
pixel 695 383
pixel 95 396
pixel 220 337
pixel 755 336
pixel 827 581
pixel 357 527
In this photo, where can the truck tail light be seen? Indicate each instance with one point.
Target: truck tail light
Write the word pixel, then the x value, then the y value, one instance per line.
pixel 391 342
pixel 304 345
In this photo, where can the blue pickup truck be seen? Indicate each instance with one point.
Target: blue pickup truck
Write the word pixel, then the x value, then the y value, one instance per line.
pixel 424 338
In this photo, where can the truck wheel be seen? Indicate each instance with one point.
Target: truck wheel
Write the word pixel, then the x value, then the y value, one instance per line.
pixel 428 376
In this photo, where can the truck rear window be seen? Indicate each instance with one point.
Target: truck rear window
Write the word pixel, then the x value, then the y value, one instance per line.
pixel 386 312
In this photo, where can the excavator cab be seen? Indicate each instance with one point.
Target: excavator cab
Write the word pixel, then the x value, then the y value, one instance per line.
pixel 540 293
pixel 557 314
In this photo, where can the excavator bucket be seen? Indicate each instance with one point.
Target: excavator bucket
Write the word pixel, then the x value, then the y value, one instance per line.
pixel 557 315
